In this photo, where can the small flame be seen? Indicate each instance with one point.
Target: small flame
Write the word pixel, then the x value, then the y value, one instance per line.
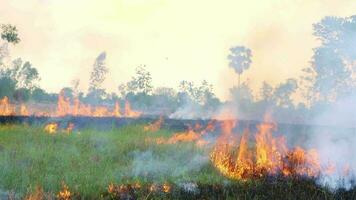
pixel 65 193
pixel 155 126
pixel 129 112
pixel 166 188
pixel 51 128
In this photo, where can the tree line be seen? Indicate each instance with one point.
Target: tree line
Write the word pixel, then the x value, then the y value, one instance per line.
pixel 329 77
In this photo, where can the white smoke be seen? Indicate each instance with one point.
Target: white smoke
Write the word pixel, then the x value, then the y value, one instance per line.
pixel 149 164
pixel 335 142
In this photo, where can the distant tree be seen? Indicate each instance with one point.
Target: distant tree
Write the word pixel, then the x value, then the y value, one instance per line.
pixel 9 33
pixel 242 93
pixel 240 60
pixel 165 100
pixel 187 88
pixel 23 74
pixel 283 92
pixel 98 75
pixel 75 86
pixel 141 82
pixel 39 95
pixel 67 92
pixel 27 76
pixel 266 92
pixel 165 91
pixel 22 94
pixel 333 63
pixel 122 90
pixel 7 86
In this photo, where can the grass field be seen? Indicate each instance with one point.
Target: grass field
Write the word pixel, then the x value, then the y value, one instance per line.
pixel 123 164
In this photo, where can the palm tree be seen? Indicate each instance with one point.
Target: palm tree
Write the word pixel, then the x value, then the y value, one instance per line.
pixel 240 60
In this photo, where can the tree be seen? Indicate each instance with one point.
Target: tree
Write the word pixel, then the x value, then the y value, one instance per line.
pixel 266 92
pixel 283 92
pixel 240 60
pixel 98 75
pixel 23 74
pixel 7 86
pixel 141 82
pixel 9 33
pixel 330 75
pixel 27 76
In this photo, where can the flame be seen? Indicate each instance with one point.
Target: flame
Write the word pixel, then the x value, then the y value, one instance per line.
pixel 155 126
pixel 166 188
pixel 65 107
pixel 117 110
pixel 23 110
pixel 269 155
pixel 129 112
pixel 6 108
pixel 65 193
pixel 193 134
pixel 51 128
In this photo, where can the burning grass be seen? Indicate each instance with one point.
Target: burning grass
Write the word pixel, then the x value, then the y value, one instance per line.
pixel 123 164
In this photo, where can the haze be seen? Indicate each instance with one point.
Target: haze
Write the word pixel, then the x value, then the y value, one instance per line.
pixel 177 40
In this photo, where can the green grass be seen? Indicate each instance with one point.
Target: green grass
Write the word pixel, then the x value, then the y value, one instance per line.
pixel 89 160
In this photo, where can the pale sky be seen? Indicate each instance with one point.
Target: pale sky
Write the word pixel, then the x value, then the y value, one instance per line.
pixel 176 39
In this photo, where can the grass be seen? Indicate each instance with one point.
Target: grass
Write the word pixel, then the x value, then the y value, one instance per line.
pixel 88 161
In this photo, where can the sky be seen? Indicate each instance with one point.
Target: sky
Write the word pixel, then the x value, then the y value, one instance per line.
pixel 176 39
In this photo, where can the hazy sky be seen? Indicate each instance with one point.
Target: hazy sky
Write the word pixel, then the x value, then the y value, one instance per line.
pixel 176 39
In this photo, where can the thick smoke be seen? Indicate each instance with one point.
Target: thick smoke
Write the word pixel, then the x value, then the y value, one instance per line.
pixel 335 141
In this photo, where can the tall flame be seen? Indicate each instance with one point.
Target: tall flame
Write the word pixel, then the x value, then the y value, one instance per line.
pixel 269 155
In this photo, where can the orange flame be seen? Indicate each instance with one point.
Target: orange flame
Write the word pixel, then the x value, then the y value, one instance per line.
pixel 65 107
pixel 129 112
pixel 64 194
pixel 23 110
pixel 6 108
pixel 268 156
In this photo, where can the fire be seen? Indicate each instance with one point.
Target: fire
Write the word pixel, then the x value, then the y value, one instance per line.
pixel 155 126
pixel 129 112
pixel 66 107
pixel 188 136
pixel 117 110
pixel 51 128
pixel 269 155
pixel 23 110
pixel 6 108
pixel 64 194
pixel 193 134
pixel 166 188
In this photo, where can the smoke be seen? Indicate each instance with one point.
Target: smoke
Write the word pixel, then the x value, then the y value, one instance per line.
pixel 173 164
pixel 336 143
pixel 189 110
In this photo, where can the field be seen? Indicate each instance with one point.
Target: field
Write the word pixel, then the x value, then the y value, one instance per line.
pixel 128 163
